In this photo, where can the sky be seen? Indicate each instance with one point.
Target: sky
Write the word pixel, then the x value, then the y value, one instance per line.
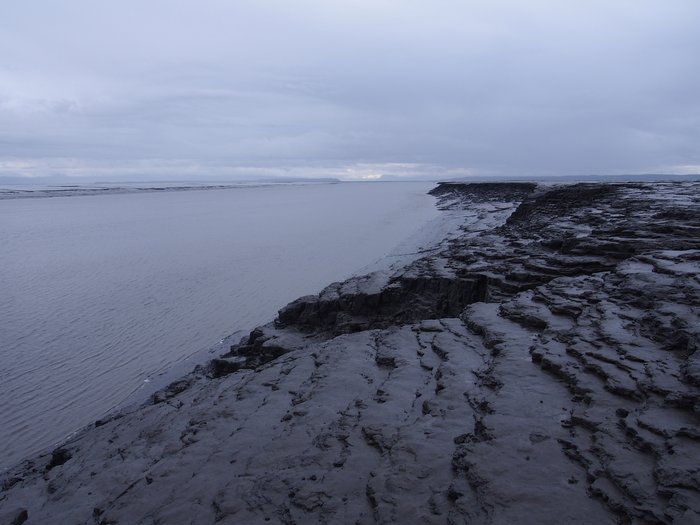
pixel 355 89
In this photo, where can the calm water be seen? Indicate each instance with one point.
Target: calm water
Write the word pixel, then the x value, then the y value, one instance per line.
pixel 98 294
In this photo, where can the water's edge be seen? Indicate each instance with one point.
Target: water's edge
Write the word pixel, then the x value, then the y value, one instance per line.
pixel 425 239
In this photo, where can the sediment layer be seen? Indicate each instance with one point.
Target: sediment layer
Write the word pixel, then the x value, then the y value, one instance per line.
pixel 540 367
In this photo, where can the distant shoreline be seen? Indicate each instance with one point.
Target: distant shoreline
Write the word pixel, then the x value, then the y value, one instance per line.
pixel 8 192
pixel 18 188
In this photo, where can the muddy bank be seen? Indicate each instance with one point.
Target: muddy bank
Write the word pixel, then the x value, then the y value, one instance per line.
pixel 539 367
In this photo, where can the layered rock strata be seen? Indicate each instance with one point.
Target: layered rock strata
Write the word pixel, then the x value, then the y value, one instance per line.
pixel 540 367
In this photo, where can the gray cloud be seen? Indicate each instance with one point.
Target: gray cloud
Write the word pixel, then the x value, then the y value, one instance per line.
pixel 227 89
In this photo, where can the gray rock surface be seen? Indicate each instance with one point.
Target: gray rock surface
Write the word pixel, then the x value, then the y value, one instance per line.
pixel 539 367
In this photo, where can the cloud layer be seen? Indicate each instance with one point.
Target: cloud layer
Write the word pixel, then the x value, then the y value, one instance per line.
pixel 220 89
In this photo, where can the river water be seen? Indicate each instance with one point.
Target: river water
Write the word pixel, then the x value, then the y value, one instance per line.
pixel 101 294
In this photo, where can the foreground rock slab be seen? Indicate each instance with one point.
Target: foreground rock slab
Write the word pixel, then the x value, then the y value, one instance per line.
pixel 541 366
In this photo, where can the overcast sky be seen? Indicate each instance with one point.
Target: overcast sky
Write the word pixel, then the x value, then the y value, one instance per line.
pixel 231 89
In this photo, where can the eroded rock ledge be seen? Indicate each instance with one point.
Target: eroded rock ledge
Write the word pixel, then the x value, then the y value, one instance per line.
pixel 541 367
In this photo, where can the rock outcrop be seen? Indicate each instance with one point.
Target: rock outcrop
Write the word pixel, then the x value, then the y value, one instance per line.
pixel 540 367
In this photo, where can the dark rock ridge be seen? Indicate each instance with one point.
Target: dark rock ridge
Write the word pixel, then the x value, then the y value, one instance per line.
pixel 539 366
pixel 451 194
pixel 402 300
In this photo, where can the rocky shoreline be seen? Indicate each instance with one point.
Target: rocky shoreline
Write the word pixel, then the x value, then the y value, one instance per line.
pixel 541 366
